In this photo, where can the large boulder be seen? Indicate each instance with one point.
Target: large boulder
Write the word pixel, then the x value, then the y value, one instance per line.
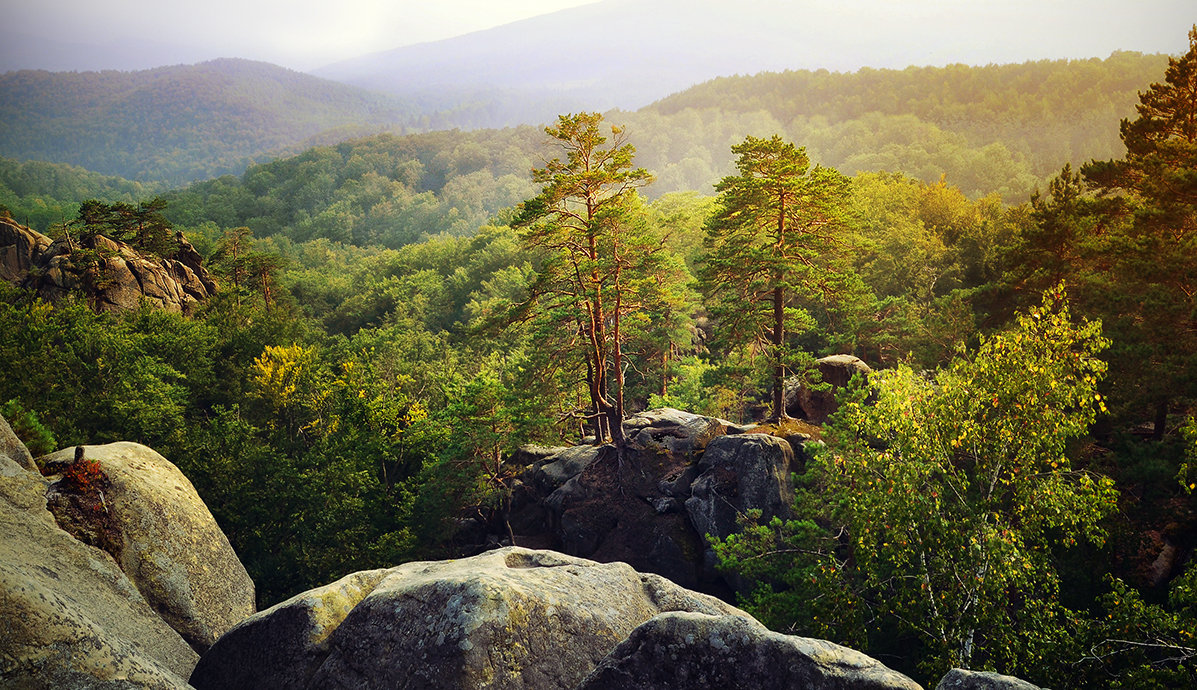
pixel 509 618
pixel 962 679
pixel 587 502
pixel 565 464
pixel 741 473
pixel 283 646
pixel 21 248
pixel 142 510
pixel 69 617
pixel 675 431
pixel 695 651
pixel 816 404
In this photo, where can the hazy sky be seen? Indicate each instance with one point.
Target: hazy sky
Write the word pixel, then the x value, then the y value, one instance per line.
pixel 307 34
pixel 300 34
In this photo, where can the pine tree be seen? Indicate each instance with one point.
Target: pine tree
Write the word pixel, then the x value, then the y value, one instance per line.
pixel 593 264
pixel 1153 190
pixel 772 238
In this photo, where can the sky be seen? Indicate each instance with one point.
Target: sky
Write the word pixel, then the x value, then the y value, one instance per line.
pixel 299 34
pixel 308 34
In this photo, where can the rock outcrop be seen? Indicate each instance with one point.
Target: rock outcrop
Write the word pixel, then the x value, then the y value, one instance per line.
pixel 961 679
pixel 741 473
pixel 112 275
pixel 69 617
pixel 700 652
pixel 509 618
pixel 152 522
pixel 284 646
pixel 653 509
pixel 816 404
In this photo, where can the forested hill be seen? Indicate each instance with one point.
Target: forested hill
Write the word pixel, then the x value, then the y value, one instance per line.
pixel 996 128
pixel 181 123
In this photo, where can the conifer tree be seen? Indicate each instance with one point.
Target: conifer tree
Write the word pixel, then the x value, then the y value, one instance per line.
pixel 1152 194
pixel 593 264
pixel 771 239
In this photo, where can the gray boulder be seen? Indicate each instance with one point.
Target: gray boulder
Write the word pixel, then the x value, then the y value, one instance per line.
pixel 675 431
pixel 510 618
pixel 564 465
pixel 284 645
pixel 740 473
pixel 694 651
pixel 69 617
pixel 149 518
pixel 962 679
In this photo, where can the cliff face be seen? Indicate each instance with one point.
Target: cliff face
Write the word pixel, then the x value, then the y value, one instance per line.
pixel 110 274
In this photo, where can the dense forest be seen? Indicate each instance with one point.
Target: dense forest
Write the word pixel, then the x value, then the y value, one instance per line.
pixel 398 311
pixel 999 129
pixel 181 123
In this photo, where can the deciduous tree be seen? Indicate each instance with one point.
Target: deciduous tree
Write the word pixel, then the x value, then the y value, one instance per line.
pixel 941 501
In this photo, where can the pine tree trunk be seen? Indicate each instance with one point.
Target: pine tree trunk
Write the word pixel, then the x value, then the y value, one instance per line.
pixel 779 371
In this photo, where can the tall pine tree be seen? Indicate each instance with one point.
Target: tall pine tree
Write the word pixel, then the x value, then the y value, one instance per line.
pixel 772 239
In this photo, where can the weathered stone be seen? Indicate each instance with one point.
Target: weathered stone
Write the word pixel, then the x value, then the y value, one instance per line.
pixel 565 465
pixel 696 651
pixel 21 249
pixel 817 405
pixel 69 618
pixel 751 471
pixel 509 618
pixel 12 447
pixel 961 679
pixel 673 431
pixel 162 535
pixel 118 279
pixel 283 646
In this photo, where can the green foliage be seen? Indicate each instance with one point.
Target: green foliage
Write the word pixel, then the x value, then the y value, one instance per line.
pixel 38 439
pixel 141 225
pixel 776 234
pixel 180 123
pixel 382 190
pixel 940 504
pixel 1141 645
pixel 599 271
pixel 1150 211
pixel 997 128
pixel 44 195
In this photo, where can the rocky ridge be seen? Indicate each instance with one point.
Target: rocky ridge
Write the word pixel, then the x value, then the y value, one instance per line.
pixel 113 275
pixel 112 575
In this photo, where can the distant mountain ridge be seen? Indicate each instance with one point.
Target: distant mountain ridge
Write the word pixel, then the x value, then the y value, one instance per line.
pixel 628 53
pixel 182 123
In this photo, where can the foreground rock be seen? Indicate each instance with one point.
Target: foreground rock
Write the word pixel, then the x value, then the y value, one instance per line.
pixel 284 646
pixel 151 521
pixel 112 275
pixel 510 618
pixel 700 652
pixel 961 679
pixel 69 617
